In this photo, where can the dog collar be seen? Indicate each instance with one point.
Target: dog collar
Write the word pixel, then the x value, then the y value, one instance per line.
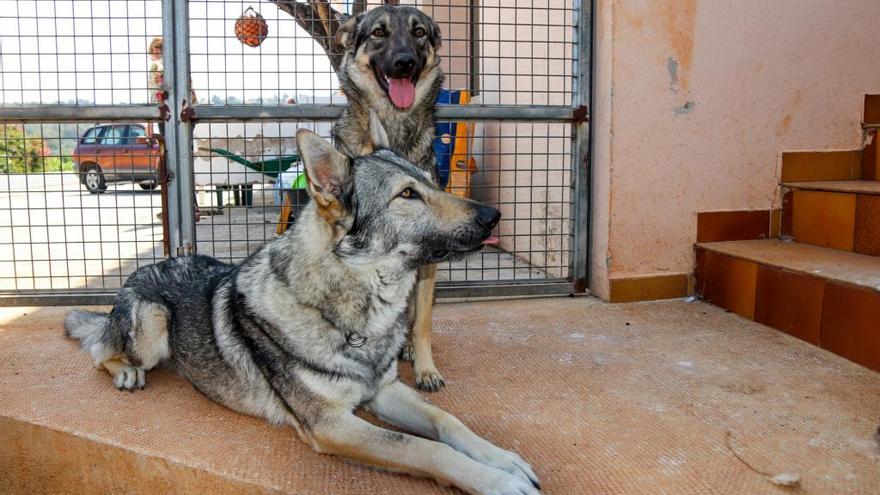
pixel 355 339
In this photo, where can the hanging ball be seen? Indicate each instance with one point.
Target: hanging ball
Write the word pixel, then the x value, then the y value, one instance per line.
pixel 251 29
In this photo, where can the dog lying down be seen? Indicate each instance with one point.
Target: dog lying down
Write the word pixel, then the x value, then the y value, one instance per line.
pixel 308 329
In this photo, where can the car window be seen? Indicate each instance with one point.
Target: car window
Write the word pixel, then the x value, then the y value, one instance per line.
pixel 113 136
pixel 91 134
pixel 135 131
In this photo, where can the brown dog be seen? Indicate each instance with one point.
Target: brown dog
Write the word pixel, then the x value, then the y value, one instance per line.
pixel 391 68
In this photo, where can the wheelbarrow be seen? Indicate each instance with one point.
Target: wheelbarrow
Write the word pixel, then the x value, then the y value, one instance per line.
pixel 270 168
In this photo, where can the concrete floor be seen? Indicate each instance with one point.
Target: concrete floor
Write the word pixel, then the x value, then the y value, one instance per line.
pixel 623 399
pixel 58 236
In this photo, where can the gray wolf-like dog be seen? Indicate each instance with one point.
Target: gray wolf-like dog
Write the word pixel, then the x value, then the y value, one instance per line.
pixel 391 68
pixel 308 329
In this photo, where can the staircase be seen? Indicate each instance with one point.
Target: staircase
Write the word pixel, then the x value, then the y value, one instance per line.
pixel 811 270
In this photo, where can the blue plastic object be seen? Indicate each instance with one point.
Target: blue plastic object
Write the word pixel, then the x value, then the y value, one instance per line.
pixel 443 151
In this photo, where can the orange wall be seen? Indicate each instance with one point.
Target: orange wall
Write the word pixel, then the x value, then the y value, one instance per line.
pixel 695 99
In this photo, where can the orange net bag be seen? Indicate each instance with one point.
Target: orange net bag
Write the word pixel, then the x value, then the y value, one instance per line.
pixel 251 29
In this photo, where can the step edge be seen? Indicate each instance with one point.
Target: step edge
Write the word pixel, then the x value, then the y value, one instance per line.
pixel 236 483
pixel 815 186
pixel 824 276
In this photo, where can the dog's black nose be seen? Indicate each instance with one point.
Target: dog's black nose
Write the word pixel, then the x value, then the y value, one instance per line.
pixel 488 216
pixel 404 63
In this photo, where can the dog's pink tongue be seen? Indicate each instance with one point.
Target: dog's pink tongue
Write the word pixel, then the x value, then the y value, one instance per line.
pixel 402 92
pixel 491 241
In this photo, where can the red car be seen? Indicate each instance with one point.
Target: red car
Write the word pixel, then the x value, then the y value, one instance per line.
pixel 117 153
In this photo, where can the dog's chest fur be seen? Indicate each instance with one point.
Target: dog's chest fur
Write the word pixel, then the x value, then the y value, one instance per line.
pixel 346 326
pixel 410 133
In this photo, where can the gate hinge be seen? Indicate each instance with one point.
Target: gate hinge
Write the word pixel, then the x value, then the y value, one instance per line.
pixel 580 114
pixel 187 112
pixel 164 111
pixel 186 249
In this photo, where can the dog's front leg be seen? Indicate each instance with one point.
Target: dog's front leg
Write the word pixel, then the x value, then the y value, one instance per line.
pixel 427 376
pixel 346 435
pixel 403 407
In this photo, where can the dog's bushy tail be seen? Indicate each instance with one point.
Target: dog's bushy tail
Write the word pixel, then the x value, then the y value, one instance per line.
pixel 91 329
pixel 81 325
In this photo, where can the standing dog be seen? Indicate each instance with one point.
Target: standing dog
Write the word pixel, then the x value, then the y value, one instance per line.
pixel 308 328
pixel 391 68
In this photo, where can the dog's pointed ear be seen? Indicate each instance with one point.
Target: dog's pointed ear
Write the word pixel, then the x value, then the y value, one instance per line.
pixel 328 172
pixel 347 31
pixel 436 35
pixel 378 135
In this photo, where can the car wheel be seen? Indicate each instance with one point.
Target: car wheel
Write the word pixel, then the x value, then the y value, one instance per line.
pixel 93 179
pixel 148 185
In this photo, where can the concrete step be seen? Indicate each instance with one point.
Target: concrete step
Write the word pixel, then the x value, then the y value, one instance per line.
pixel 616 399
pixel 827 297
pixel 841 214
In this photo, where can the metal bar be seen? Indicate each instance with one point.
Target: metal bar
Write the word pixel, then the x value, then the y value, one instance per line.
pixel 501 289
pixel 870 126
pixel 51 297
pixel 172 143
pixel 312 112
pixel 184 186
pixel 580 256
pixel 78 113
pixel 444 291
pixel 559 113
pixel 474 42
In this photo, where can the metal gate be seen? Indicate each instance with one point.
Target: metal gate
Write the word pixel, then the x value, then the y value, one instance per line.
pixel 97 155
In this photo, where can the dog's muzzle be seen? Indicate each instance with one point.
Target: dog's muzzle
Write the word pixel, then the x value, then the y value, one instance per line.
pixel 477 235
pixel 398 78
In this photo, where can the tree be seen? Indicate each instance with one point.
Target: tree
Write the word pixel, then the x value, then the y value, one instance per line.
pixel 322 21
pixel 18 153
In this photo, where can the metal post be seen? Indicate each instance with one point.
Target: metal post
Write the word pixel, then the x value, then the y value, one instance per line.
pixel 184 112
pixel 580 253
pixel 171 124
pixel 178 128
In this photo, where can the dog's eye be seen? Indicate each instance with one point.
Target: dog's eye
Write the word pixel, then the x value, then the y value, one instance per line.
pixel 409 193
pixel 419 32
pixel 379 33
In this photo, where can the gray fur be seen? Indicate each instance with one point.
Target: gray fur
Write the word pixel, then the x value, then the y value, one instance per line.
pixel 308 329
pixel 274 335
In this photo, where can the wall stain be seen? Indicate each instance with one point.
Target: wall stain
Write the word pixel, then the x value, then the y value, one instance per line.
pixel 678 20
pixel 784 125
pixel 632 20
pixel 672 69
pixel 793 103
pixel 688 107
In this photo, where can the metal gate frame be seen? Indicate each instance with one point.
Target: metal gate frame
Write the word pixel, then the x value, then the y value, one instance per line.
pixel 180 115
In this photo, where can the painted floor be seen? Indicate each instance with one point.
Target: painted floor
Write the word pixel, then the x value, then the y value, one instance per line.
pixel 666 397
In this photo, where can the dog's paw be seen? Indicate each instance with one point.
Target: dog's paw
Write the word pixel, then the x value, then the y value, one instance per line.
pixel 501 483
pixel 507 461
pixel 407 353
pixel 429 380
pixel 130 378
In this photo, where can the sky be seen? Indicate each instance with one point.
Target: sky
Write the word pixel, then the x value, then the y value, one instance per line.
pixel 66 50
